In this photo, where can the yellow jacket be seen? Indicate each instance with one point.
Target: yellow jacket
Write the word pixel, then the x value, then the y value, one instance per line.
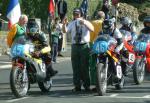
pixel 11 35
pixel 97 28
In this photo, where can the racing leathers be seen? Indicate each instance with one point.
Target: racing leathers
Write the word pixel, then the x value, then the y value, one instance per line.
pixel 115 33
pixel 42 50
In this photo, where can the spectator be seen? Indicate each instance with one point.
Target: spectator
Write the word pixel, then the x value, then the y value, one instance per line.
pixel 106 7
pixel 62 9
pixel 0 22
pixel 17 32
pixel 49 27
pixel 93 35
pixel 55 37
pixel 80 29
pixel 60 40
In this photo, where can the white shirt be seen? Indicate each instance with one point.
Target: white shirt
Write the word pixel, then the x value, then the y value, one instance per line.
pixel 71 28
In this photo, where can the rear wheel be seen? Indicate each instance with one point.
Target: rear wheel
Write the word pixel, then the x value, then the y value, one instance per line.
pixel 139 71
pixel 101 78
pixel 19 81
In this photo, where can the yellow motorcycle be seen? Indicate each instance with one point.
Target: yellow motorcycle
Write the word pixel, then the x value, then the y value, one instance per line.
pixel 27 70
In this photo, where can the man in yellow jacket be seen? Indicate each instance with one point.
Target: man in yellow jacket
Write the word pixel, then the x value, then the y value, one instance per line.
pixel 93 35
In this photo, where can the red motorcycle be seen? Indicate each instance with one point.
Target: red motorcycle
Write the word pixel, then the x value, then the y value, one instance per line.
pixel 145 45
pixel 132 58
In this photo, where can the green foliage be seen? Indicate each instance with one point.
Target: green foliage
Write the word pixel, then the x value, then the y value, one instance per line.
pixel 93 6
pixel 39 8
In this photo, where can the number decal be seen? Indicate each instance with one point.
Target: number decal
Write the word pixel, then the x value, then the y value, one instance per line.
pixel 131 58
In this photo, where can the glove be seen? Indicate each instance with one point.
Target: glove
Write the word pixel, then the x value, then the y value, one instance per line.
pixel 36 54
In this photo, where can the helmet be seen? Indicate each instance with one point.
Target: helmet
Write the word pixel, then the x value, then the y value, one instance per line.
pixel 126 21
pixel 146 20
pixel 108 23
pixel 32 27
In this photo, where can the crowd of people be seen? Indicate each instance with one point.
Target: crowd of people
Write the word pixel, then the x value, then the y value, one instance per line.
pixel 83 32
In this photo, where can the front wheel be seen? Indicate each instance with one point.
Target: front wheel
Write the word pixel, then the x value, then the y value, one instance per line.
pixel 45 86
pixel 101 78
pixel 19 81
pixel 139 71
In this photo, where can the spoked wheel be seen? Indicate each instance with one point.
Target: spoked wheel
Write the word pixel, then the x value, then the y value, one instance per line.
pixel 19 81
pixel 45 86
pixel 101 79
pixel 139 71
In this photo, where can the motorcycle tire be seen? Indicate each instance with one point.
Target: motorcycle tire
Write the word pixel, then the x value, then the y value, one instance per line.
pixel 138 71
pixel 16 82
pixel 121 83
pixel 101 79
pixel 45 86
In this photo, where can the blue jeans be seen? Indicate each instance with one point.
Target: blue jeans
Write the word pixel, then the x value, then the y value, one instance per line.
pixel 54 51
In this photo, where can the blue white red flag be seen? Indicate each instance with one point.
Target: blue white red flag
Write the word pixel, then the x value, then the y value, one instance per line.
pixel 13 12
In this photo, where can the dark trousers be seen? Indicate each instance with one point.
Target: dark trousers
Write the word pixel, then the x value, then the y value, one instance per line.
pixel 60 42
pixel 54 51
pixel 62 16
pixel 92 65
pixel 80 65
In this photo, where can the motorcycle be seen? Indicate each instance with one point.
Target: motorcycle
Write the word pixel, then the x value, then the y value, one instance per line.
pixel 109 71
pixel 27 70
pixel 132 60
pixel 141 48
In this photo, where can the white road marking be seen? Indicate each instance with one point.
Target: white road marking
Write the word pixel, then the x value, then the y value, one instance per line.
pixel 114 95
pixel 3 62
pixel 5 66
pixel 63 59
pixel 14 100
pixel 124 97
pixel 147 96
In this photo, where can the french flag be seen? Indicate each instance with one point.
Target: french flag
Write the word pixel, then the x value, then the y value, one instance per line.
pixel 13 12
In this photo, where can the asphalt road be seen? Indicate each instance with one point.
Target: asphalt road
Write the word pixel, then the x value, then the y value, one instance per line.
pixel 62 85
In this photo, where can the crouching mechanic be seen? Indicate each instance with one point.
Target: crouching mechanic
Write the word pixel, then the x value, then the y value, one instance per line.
pixel 41 46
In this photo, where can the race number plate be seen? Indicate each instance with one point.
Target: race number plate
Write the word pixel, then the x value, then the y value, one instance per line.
pixel 131 58
pixel 119 71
